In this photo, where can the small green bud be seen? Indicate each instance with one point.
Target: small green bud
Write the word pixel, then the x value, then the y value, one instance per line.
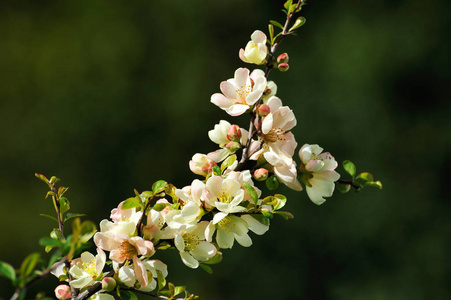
pixel 261 174
pixel 108 284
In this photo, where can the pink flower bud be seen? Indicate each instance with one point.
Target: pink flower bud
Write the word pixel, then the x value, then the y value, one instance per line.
pixel 63 292
pixel 234 133
pixel 261 174
pixel 232 146
pixel 201 164
pixel 108 284
pixel 282 58
pixel 263 110
pixel 283 67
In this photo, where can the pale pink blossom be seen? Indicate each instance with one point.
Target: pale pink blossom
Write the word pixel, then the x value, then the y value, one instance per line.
pixel 240 92
pixel 319 169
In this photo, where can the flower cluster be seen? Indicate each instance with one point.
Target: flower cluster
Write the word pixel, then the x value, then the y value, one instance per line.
pixel 223 206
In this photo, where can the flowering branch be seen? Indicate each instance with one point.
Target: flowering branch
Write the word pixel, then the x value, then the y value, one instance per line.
pixel 210 214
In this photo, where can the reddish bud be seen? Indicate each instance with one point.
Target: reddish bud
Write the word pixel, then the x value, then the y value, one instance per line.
pixel 261 174
pixel 234 133
pixel 263 110
pixel 282 58
pixel 63 292
pixel 283 67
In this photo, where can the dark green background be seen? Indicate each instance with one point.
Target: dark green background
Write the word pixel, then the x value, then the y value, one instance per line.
pixel 113 95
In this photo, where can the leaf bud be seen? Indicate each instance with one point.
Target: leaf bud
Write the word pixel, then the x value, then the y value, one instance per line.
pixel 261 174
pixel 108 284
pixel 63 292
pixel 283 67
pixel 263 110
pixel 283 58
pixel 234 133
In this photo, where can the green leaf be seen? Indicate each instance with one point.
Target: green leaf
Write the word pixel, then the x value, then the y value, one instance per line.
pixel 376 184
pixel 158 186
pixel 228 162
pixel 7 271
pixel 71 216
pixel 271 33
pixel 160 206
pixel 286 215
pixel 28 264
pixel 48 241
pixel 178 290
pixel 127 295
pixel 64 205
pixel 216 170
pixel 54 179
pixel 365 176
pixel 251 191
pixel 267 214
pixel 131 203
pixel 161 280
pixel 207 268
pixel 288 4
pixel 42 177
pixel 349 167
pixel 343 187
pixel 62 190
pixel 49 217
pixel 215 259
pixel 275 23
pixel 165 293
pixel 272 183
pixel 298 23
pixel 87 230
pixel 262 219
pixel 280 201
pixel 57 235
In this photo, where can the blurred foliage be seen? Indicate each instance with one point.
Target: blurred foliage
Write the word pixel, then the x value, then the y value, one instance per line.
pixel 112 95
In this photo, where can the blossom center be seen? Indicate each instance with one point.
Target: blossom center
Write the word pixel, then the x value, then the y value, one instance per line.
pixel 274 135
pixel 90 267
pixel 226 224
pixel 128 251
pixel 191 241
pixel 243 92
pixel 225 197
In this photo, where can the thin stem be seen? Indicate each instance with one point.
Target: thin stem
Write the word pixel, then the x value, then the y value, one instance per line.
pixel 44 273
pixel 352 183
pixel 269 66
pixel 141 220
pixel 93 289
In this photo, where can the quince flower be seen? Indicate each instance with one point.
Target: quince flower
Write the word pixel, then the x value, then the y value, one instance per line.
pixel 240 92
pixel 124 248
pixel 318 172
pixel 152 266
pixel 284 168
pixel 190 241
pixel 256 50
pixel 229 229
pixel 87 269
pixel 225 195
pixel 191 210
